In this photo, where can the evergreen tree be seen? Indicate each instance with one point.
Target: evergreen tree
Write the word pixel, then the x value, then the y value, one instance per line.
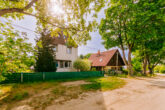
pixel 45 60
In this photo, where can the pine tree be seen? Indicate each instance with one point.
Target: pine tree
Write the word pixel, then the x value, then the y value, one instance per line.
pixel 45 60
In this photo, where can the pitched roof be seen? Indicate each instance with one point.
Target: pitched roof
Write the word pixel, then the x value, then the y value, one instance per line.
pixel 61 39
pixel 103 58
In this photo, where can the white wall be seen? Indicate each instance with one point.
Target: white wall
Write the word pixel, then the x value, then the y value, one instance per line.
pixel 62 54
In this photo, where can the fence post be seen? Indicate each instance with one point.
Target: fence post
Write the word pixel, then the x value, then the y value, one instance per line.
pixel 43 74
pixel 21 77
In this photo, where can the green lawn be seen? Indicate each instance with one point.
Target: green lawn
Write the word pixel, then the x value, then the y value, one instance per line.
pixel 41 94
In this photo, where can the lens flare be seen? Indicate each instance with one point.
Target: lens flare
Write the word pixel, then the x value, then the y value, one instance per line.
pixel 56 7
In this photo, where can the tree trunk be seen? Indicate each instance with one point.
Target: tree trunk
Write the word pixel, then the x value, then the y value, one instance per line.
pixel 130 71
pixel 144 65
pixel 150 70
pixel 124 58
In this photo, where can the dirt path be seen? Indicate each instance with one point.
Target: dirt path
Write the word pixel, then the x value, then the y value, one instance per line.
pixel 138 94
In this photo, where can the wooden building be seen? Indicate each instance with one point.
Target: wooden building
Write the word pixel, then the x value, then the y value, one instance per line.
pixel 111 59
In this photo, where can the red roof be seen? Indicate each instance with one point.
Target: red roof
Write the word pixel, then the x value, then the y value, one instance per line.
pixel 103 58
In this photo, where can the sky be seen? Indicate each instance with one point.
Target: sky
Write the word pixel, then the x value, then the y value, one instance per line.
pixel 28 24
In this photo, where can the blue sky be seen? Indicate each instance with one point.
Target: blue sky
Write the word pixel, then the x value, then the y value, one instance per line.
pixel 92 46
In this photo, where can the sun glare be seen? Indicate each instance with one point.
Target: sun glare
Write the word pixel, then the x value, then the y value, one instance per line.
pixel 56 7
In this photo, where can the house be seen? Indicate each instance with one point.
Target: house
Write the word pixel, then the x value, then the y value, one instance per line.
pixel 65 55
pixel 111 59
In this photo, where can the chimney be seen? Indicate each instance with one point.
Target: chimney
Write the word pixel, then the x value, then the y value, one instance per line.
pixel 98 53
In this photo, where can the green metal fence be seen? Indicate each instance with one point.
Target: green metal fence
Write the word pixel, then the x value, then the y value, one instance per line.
pixel 42 76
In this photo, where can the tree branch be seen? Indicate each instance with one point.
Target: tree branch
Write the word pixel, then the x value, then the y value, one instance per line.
pixel 19 10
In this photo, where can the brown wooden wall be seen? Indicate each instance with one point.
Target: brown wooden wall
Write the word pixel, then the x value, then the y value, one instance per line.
pixel 113 61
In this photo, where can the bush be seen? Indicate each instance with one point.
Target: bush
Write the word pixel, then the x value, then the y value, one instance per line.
pixel 82 65
pixel 93 69
pixel 125 71
pixel 111 72
pixel 162 69
pixel 157 69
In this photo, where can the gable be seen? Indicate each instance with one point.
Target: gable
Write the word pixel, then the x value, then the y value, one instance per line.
pixel 102 59
pixel 116 60
pixel 106 58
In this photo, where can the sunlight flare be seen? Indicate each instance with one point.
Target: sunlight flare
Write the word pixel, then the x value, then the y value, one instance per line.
pixel 56 7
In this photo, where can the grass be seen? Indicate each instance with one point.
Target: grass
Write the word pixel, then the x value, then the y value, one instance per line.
pixel 103 84
pixel 42 94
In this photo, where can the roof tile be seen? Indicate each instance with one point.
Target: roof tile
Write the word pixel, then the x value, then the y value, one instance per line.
pixel 103 58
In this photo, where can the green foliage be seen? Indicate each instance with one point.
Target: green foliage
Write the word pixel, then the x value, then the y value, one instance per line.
pixel 93 69
pixel 111 72
pixel 136 26
pixel 81 56
pixel 17 55
pixel 71 18
pixel 82 65
pixel 87 55
pixel 73 21
pixel 162 69
pixel 125 71
pixel 157 68
pixel 45 60
pixel 137 63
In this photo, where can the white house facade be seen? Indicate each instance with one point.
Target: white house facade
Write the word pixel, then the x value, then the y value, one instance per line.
pixel 65 56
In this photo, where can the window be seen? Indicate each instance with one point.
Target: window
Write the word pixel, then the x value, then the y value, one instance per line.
pixel 69 50
pixel 69 64
pixel 61 64
pixel 66 64
pixel 55 48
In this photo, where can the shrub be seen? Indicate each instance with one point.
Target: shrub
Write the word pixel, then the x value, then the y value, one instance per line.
pixel 82 65
pixel 157 69
pixel 162 69
pixel 111 72
pixel 125 71
pixel 93 69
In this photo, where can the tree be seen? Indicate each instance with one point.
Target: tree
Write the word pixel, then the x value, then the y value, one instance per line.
pixel 82 65
pixel 45 60
pixel 71 20
pixel 81 56
pixel 16 6
pixel 116 29
pixel 129 24
pixel 87 55
pixel 155 56
pixel 152 31
pixel 16 54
